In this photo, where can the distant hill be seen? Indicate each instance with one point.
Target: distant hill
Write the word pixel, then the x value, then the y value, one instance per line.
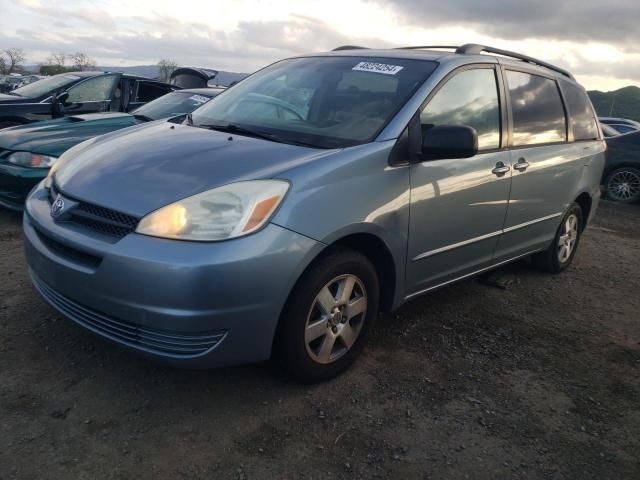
pixel 624 103
pixel 151 71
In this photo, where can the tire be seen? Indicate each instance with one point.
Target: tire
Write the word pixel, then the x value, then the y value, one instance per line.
pixel 623 185
pixel 318 337
pixel 560 253
pixel 8 124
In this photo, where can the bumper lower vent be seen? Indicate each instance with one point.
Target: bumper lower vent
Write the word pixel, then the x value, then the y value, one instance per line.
pixel 159 342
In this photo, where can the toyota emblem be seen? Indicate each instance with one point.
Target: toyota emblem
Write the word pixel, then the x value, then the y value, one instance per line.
pixel 58 207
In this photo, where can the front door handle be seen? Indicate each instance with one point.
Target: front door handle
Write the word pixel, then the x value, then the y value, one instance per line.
pixel 521 165
pixel 500 169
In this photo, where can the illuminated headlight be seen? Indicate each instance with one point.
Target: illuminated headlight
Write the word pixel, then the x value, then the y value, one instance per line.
pixel 33 160
pixel 225 212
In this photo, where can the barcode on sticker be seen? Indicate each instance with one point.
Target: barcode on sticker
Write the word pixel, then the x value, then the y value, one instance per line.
pixel 378 68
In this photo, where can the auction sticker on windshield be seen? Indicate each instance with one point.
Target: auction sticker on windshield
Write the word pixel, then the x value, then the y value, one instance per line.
pixel 384 68
pixel 199 98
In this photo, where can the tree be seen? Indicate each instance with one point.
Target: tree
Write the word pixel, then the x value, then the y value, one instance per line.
pixel 165 69
pixel 81 61
pixel 12 59
pixel 57 59
pixel 55 64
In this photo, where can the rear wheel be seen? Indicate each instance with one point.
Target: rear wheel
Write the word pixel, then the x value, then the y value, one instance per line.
pixel 560 253
pixel 325 323
pixel 623 185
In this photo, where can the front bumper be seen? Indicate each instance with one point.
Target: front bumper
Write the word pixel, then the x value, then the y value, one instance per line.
pixel 186 303
pixel 16 183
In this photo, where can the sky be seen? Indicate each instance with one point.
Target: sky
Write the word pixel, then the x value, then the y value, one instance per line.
pixel 598 41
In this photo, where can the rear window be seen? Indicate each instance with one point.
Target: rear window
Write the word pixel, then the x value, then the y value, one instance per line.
pixel 583 118
pixel 538 114
pixel 151 91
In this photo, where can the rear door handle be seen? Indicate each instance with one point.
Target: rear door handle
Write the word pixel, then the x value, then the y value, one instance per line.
pixel 500 169
pixel 521 165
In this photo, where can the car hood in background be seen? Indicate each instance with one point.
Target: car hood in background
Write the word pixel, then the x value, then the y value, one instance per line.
pixel 153 165
pixel 14 99
pixel 54 137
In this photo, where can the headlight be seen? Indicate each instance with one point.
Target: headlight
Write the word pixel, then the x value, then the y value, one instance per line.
pixel 225 212
pixel 33 160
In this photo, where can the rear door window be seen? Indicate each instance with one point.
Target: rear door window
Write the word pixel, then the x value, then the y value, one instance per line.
pixel 469 98
pixel 583 118
pixel 148 91
pixel 537 109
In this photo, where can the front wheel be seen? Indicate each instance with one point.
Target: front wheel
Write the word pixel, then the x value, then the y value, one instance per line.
pixel 623 185
pixel 328 316
pixel 560 253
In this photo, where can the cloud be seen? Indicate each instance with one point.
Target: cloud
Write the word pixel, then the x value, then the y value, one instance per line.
pixel 613 22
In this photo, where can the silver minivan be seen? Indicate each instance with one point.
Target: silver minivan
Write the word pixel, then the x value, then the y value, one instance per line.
pixel 282 216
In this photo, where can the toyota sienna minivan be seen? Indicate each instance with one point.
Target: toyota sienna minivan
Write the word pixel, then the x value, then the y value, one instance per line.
pixel 278 219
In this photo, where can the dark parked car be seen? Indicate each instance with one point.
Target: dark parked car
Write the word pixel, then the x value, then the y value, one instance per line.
pixel 620 125
pixel 28 151
pixel 78 92
pixel 10 82
pixel 621 177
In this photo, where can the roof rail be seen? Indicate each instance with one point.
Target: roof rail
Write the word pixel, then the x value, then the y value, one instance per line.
pixel 429 47
pixel 475 49
pixel 348 47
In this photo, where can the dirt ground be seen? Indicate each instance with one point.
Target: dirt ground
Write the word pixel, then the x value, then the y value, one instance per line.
pixel 540 380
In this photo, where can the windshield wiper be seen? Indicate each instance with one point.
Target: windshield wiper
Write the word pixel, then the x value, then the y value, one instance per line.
pixel 233 128
pixel 143 118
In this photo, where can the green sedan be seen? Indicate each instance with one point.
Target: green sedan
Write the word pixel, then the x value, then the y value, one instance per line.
pixel 28 151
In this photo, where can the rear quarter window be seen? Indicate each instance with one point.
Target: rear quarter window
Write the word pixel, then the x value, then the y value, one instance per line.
pixel 581 114
pixel 538 112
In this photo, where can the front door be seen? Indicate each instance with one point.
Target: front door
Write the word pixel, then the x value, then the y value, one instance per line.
pixel 92 95
pixel 458 206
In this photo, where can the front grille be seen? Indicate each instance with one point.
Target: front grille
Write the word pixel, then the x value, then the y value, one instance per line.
pixel 160 342
pixel 102 220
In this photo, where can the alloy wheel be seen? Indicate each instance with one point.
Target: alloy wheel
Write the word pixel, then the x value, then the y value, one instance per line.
pixel 335 319
pixel 568 238
pixel 624 185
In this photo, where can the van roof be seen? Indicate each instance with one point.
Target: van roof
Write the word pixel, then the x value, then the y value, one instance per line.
pixel 440 52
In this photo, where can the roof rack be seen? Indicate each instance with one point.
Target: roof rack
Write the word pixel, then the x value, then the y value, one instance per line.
pixel 475 49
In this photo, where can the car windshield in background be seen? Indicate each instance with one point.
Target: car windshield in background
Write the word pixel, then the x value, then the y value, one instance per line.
pixel 46 85
pixel 325 102
pixel 172 105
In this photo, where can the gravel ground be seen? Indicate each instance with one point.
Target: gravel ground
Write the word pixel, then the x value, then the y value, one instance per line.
pixel 538 380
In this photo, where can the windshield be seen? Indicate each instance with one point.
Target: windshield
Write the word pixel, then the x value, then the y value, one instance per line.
pixel 173 104
pixel 328 102
pixel 46 85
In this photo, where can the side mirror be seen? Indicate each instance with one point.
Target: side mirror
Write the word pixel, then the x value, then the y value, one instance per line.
pixel 62 98
pixel 58 102
pixel 449 141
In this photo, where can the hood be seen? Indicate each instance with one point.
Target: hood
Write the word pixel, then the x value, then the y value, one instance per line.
pixel 153 165
pixel 13 99
pixel 54 137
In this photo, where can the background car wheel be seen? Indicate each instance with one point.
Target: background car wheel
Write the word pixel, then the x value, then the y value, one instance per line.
pixel 623 185
pixel 328 315
pixel 8 124
pixel 560 253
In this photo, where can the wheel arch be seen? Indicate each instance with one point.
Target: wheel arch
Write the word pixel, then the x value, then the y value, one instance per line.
pixel 585 202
